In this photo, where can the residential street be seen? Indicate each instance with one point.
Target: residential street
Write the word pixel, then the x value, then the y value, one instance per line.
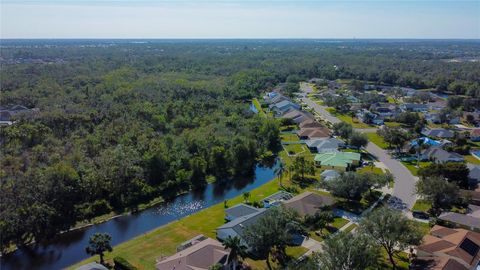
pixel 404 187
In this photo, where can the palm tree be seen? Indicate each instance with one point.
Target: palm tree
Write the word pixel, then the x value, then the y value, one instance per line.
pixel 420 143
pixel 246 195
pixel 279 171
pixel 99 243
pixel 237 250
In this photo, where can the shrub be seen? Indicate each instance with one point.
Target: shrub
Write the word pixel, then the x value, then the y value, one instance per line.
pixel 122 264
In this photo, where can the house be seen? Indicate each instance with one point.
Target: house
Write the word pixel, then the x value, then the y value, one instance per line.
pixel 470 221
pixel 472 196
pixel 7 114
pixel 328 175
pixel 437 105
pixel 275 98
pixel 239 210
pixel 283 106
pixel 310 124
pixel 308 203
pixel 365 116
pixel 276 198
pixel 474 174
pixel 436 263
pixel 385 109
pixel 199 256
pixel 298 116
pixel 324 145
pixel 337 160
pixel 475 135
pixel 458 244
pixel 92 266
pixel 312 133
pixel 437 154
pixel 438 133
pixel 414 107
pixel 237 226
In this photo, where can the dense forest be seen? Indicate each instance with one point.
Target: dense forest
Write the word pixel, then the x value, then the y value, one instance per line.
pixel 123 122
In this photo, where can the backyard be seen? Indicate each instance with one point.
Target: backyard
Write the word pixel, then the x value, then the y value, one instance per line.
pixel 377 139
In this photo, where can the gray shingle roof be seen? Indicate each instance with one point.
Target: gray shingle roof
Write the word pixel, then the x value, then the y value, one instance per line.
pixel 239 224
pixel 241 210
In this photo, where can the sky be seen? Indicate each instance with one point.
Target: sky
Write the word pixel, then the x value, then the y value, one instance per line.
pixel 436 19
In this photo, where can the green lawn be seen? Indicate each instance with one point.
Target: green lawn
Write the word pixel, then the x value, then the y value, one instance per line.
pixel 401 261
pixel 412 166
pixel 337 223
pixel 257 105
pixel 143 250
pixel 348 119
pixel 421 205
pixel 392 124
pixel 370 169
pixel 391 100
pixel 472 159
pixel 294 149
pixel 376 139
pixel 289 137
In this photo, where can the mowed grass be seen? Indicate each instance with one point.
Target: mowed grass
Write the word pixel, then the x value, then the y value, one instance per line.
pixel 377 139
pixel 472 159
pixel 337 223
pixel 294 149
pixel 370 169
pixel 142 251
pixel 257 105
pixel 289 137
pixel 421 205
pixel 348 119
pixel 412 166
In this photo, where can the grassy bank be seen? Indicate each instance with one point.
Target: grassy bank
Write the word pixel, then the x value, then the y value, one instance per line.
pixel 142 251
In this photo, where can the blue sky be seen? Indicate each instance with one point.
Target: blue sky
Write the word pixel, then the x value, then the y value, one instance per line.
pixel 239 19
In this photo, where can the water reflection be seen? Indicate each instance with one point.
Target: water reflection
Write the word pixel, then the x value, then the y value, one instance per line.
pixel 69 248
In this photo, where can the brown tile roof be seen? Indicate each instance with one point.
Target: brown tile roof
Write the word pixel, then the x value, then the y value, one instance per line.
pixel 308 203
pixel 318 132
pixel 459 244
pixel 200 256
pixel 436 263
pixel 310 124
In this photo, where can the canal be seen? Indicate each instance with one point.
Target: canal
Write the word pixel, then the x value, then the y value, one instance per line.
pixel 69 248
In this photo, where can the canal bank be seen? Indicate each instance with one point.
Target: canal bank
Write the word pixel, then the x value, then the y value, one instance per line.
pixel 69 248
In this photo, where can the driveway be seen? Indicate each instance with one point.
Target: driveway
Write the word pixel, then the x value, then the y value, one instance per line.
pixel 404 188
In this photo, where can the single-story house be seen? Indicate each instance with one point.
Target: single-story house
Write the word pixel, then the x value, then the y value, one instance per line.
pixel 92 266
pixel 276 198
pixel 437 133
pixel 312 133
pixel 275 98
pixel 298 116
pixel 7 114
pixel 337 160
pixel 458 244
pixel 237 226
pixel 474 174
pixel 329 175
pixel 470 221
pixel 324 145
pixel 310 124
pixel 414 107
pixel 199 256
pixel 475 134
pixel 308 203
pixel 437 154
pixel 437 105
pixel 283 106
pixel 436 263
pixel 239 210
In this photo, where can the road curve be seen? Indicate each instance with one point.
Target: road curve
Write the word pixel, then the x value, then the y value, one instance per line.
pixel 404 188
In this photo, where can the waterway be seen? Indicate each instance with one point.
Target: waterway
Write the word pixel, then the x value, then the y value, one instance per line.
pixel 69 248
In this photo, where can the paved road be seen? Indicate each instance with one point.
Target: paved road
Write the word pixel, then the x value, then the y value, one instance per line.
pixel 404 187
pixel 319 109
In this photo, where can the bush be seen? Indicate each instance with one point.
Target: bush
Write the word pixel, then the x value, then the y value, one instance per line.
pixel 122 264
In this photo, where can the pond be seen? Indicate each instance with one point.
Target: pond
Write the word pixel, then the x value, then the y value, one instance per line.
pixel 69 248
